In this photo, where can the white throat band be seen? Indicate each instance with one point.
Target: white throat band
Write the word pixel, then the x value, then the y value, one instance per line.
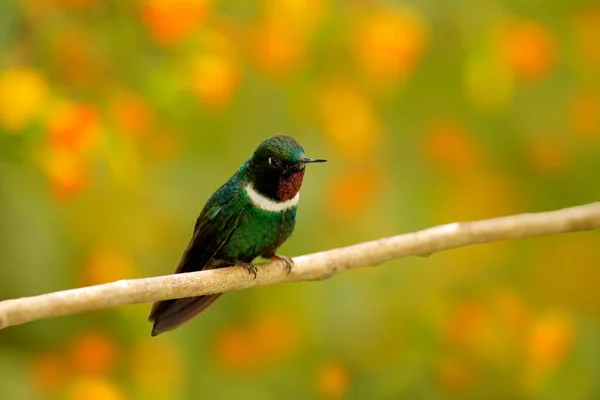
pixel 266 204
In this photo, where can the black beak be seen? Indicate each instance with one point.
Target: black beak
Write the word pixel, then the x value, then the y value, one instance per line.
pixel 306 160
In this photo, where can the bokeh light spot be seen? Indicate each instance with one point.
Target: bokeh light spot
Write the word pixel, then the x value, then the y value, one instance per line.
pixel 333 380
pixel 49 371
pixel 171 21
pixel 349 120
pixel 451 146
pixel 390 43
pixel 94 388
pixel 529 49
pixel 94 352
pixel 22 95
pixel 550 339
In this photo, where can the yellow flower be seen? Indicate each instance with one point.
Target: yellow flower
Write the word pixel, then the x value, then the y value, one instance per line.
pixel 213 74
pixel 213 78
pixel 302 15
pixel 349 119
pixel 22 95
pixel 94 388
pixel 279 38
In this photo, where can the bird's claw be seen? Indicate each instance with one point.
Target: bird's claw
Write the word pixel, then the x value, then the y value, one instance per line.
pixel 250 267
pixel 288 263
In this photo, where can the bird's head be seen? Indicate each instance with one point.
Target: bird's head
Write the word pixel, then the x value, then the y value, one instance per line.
pixel 277 167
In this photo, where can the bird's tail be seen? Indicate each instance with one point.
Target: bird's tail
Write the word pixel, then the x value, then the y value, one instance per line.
pixel 169 314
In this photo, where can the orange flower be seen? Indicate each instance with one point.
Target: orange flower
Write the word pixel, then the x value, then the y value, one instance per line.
pixel 171 21
pixel 67 172
pixel 49 371
pixel 22 96
pixel 333 380
pixel 450 145
pixel 349 119
pixel 390 43
pixel 354 191
pixel 74 127
pixel 77 59
pixel 235 350
pixel 277 47
pixel 132 114
pixel 94 353
pixel 585 116
pixel 550 339
pixel 467 323
pixel 529 50
pixel 274 334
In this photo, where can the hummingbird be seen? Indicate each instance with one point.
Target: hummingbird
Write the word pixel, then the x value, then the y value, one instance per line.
pixel 251 215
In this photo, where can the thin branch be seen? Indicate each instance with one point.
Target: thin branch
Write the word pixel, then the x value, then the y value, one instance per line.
pixel 316 266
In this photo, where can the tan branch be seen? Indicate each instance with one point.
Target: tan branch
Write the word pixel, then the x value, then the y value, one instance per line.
pixel 309 267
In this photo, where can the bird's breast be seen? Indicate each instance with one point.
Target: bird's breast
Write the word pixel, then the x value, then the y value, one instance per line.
pixel 260 232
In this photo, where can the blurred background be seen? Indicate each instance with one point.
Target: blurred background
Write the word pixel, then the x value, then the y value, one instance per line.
pixel 118 119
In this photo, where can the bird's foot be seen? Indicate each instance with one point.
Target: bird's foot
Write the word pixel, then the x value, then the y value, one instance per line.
pixel 288 263
pixel 250 267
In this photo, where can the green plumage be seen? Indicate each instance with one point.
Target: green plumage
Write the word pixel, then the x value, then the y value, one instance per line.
pixel 235 228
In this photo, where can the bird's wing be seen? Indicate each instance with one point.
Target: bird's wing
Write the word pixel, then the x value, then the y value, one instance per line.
pixel 215 225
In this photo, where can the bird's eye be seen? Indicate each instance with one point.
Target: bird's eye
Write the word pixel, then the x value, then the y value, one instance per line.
pixel 275 163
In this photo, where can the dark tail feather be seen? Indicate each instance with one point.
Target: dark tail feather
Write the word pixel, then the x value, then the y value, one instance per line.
pixel 169 314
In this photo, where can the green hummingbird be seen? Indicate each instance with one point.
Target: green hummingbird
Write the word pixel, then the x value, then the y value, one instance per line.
pixel 251 215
